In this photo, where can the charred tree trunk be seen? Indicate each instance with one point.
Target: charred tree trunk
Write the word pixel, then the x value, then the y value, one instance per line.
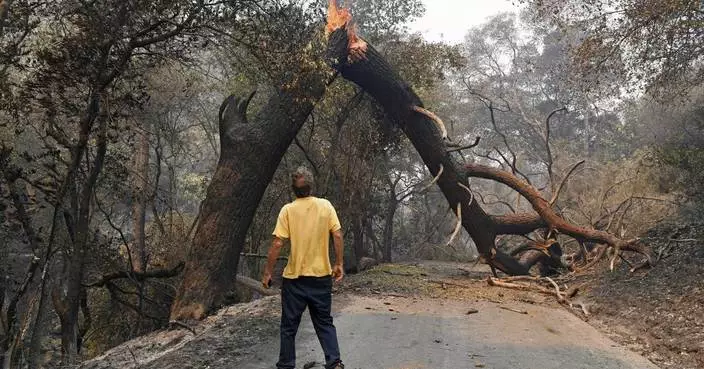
pixel 67 292
pixel 376 77
pixel 358 238
pixel 389 228
pixel 139 206
pixel 250 152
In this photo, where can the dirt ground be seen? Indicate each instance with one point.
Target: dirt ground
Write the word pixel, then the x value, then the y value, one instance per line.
pixel 658 312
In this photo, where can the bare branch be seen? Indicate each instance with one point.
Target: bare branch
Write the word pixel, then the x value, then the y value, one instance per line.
pixel 306 155
pixel 556 194
pixel 542 207
pixel 138 276
pixel 548 150
pixel 476 142
pixel 458 226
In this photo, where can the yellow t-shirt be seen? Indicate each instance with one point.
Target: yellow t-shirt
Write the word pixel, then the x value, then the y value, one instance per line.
pixel 307 222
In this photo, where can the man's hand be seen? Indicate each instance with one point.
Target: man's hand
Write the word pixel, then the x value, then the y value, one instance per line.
pixel 338 272
pixel 273 254
pixel 266 279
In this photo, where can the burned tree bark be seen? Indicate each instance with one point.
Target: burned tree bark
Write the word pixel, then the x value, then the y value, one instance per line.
pixel 139 205
pixel 250 152
pixel 389 228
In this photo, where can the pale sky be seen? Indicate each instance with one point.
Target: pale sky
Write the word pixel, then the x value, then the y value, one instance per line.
pixel 449 20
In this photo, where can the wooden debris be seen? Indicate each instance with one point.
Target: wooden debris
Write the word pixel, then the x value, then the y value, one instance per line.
pixel 562 297
pixel 514 310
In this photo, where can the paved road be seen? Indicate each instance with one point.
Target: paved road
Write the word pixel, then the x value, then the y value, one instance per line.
pixel 403 333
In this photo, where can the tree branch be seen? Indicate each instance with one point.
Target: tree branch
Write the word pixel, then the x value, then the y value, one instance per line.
pixel 556 194
pixel 476 142
pixel 138 276
pixel 548 150
pixel 554 221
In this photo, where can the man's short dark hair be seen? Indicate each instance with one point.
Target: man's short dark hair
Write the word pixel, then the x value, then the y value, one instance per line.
pixel 302 182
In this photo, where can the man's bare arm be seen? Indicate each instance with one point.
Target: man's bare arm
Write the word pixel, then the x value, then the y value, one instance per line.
pixel 338 270
pixel 273 255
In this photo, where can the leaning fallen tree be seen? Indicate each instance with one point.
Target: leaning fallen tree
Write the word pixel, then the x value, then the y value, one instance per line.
pixel 360 63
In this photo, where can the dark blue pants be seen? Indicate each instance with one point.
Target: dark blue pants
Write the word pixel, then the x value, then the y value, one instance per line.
pixel 316 294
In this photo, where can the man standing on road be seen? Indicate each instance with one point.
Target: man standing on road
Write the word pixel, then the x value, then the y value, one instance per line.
pixel 307 222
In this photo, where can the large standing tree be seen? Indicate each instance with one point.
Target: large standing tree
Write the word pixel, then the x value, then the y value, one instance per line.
pixel 251 147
